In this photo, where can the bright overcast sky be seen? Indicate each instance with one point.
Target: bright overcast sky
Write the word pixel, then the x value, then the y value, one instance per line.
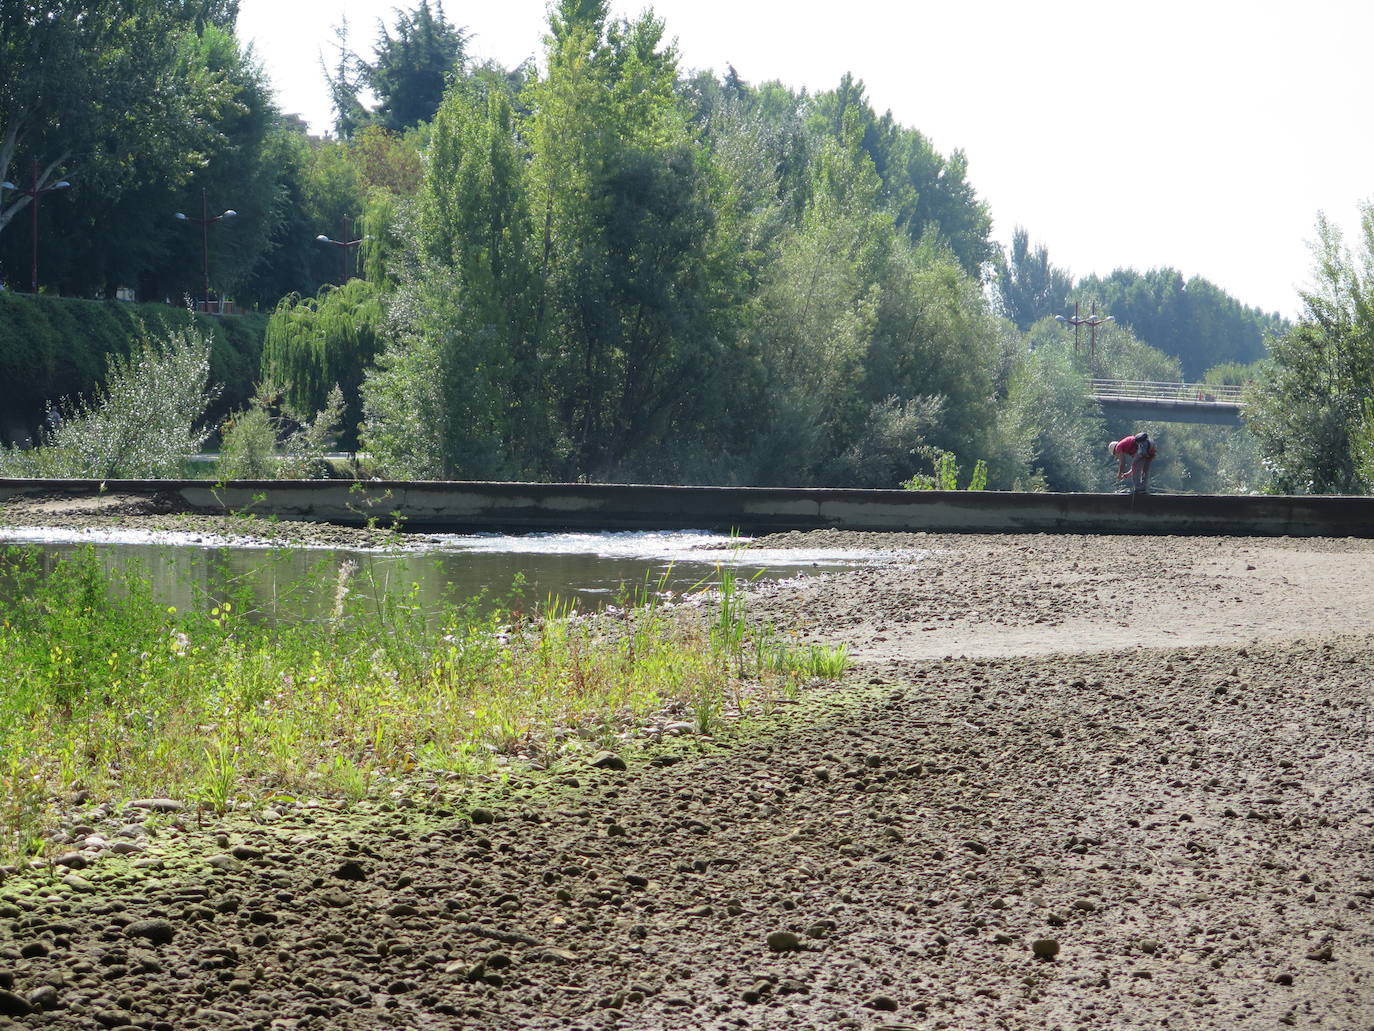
pixel 1204 135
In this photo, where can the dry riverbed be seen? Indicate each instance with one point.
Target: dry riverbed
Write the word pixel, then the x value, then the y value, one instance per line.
pixel 1070 782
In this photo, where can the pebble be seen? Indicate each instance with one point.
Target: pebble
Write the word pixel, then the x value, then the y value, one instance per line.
pixel 14 1005
pixel 607 761
pixel 883 1003
pixel 784 941
pixel 157 931
pixel 1045 948
pixel 158 805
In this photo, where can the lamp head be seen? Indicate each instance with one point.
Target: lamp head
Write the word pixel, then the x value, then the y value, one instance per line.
pixel 181 216
pixel 7 185
pixel 323 239
pixel 229 214
pixel 60 186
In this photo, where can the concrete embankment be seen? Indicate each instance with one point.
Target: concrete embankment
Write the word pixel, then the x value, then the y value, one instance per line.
pixel 471 506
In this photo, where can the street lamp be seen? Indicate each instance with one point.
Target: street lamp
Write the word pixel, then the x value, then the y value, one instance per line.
pixel 34 192
pixel 345 245
pixel 204 222
pixel 1092 322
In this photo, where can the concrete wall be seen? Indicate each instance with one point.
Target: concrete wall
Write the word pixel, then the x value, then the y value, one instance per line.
pixel 1135 411
pixel 470 506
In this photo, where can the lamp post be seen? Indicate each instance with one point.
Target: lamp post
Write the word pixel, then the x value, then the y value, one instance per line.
pixel 345 245
pixel 34 192
pixel 1092 322
pixel 204 222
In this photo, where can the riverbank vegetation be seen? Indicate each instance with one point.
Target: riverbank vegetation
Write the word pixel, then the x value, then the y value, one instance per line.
pixel 109 691
pixel 603 266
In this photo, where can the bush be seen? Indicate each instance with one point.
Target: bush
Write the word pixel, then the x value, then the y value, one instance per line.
pixel 54 347
pixel 142 424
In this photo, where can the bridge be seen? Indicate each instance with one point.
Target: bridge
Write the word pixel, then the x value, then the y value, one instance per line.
pixel 1137 401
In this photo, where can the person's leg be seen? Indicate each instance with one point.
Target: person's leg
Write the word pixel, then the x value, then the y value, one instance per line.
pixel 1145 474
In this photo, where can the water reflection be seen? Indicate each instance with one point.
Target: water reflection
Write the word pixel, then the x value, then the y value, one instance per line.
pixel 590 570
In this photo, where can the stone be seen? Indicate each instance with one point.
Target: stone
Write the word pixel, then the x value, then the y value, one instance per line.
pixel 607 761
pixel 158 805
pixel 44 997
pixel 883 1004
pixel 245 852
pixel 156 931
pixel 784 941
pixel 1045 948
pixel 12 1005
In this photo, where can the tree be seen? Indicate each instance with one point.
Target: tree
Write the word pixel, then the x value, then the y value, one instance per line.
pixel 314 345
pixel 1310 408
pixel 411 67
pixel 1029 288
pixel 86 85
pixel 1193 320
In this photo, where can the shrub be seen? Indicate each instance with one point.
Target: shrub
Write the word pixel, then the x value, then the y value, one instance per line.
pixel 141 424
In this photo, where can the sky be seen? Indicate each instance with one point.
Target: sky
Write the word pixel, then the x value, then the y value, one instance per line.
pixel 1205 136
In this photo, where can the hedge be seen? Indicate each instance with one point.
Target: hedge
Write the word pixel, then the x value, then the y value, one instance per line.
pixel 57 347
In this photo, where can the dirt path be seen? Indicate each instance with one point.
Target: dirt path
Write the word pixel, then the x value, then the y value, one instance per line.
pixel 1177 808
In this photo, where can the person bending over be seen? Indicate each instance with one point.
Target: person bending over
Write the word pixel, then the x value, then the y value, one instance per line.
pixel 1139 450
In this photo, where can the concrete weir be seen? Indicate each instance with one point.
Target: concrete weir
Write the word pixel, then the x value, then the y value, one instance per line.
pixel 474 506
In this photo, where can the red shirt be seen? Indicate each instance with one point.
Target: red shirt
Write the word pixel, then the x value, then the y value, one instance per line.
pixel 1126 446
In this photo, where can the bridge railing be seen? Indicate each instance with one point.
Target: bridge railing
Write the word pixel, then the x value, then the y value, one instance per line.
pixel 1151 390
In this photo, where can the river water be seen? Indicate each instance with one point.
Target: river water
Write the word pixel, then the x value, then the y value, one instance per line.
pixel 589 570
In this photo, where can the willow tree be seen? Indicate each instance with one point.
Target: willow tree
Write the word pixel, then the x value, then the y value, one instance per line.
pixel 315 343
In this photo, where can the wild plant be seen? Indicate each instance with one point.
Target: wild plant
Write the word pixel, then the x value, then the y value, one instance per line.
pixel 141 424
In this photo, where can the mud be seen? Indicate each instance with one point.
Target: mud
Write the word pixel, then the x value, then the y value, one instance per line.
pixel 1069 783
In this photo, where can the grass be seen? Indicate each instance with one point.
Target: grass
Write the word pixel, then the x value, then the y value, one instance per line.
pixel 106 689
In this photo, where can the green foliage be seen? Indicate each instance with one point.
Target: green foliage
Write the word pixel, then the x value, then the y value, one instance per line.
pixel 265 441
pixel 412 63
pixel 1309 407
pixel 142 423
pixel 1194 320
pixel 315 344
pixel 53 347
pixel 945 474
pixel 106 687
pixel 1029 288
pixel 248 444
pixel 1053 433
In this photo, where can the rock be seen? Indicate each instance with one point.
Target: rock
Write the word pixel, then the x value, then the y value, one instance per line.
pixel 73 860
pixel 78 883
pixel 158 805
pixel 1045 948
pixel 14 1005
pixel 1322 954
pixel 976 847
pixel 351 870
pixel 784 941
pixel 158 932
pixel 44 997
pixel 557 955
pixel 607 761
pixel 882 1003
pixel 226 863
pixel 1284 979
pixel 1085 905
pixel 480 815
pixel 245 852
pixel 112 1018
